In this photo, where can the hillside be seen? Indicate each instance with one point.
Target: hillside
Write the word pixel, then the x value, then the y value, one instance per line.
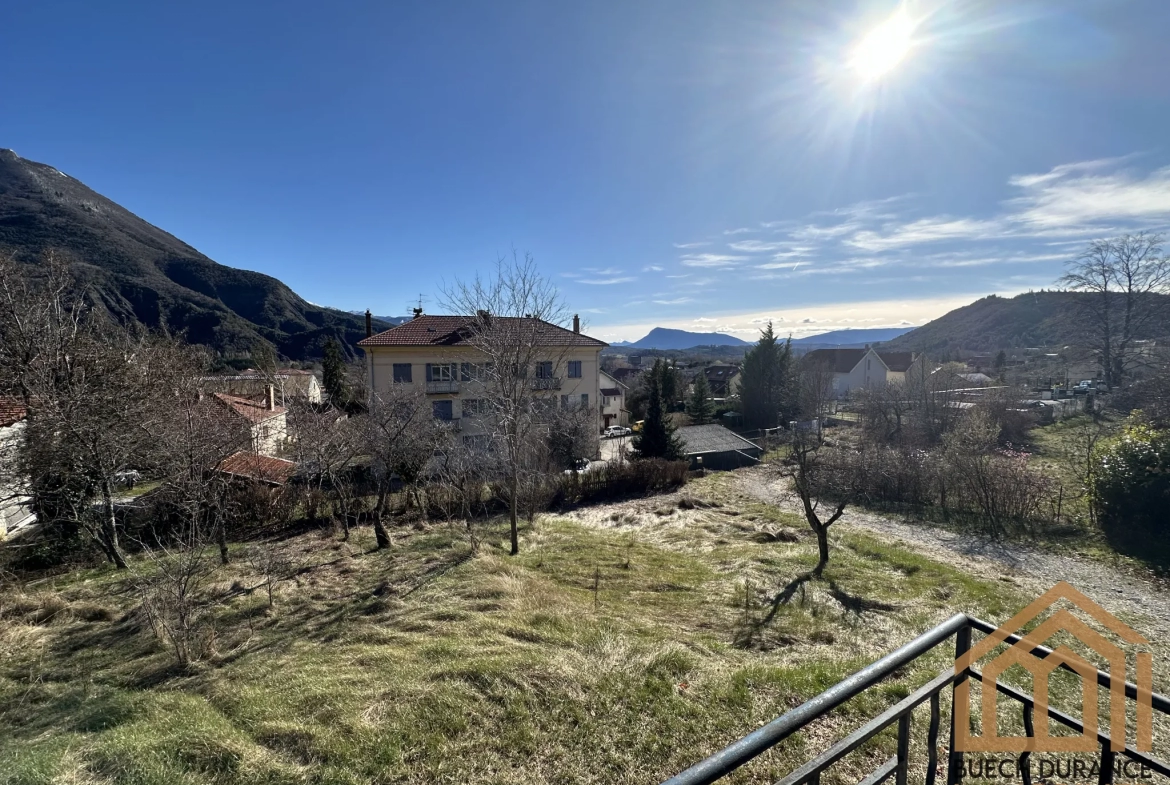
pixel 139 273
pixel 849 339
pixel 1032 319
pixel 666 338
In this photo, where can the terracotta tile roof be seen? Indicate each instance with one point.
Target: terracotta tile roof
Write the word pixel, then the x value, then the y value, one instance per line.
pixel 455 331
pixel 840 360
pixel 252 411
pixel 258 467
pixel 715 373
pixel 12 411
pixel 897 361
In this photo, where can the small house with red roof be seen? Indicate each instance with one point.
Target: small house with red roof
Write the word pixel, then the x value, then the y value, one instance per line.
pixel 266 423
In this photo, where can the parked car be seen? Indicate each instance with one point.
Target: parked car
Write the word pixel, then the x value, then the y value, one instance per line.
pixel 615 431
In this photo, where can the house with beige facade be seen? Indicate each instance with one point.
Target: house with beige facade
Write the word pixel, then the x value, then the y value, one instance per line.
pixel 14 511
pixel 855 369
pixel 438 356
pixel 613 402
pixel 265 421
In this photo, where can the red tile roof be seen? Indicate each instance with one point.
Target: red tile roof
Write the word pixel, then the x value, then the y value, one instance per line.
pixel 258 467
pixel 457 330
pixel 253 411
pixel 12 411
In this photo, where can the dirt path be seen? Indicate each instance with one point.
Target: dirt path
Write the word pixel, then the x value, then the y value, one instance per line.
pixel 1118 591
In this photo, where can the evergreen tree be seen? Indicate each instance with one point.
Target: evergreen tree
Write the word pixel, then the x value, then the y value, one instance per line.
pixel 1000 360
pixel 701 408
pixel 764 385
pixel 333 374
pixel 657 438
pixel 668 383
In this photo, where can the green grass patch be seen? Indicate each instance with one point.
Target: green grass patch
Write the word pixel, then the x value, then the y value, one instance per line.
pixel 596 655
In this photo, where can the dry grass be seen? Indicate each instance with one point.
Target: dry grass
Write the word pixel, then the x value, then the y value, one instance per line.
pixel 624 643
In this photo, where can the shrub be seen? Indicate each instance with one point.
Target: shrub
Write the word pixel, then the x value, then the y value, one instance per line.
pixel 636 478
pixel 1130 486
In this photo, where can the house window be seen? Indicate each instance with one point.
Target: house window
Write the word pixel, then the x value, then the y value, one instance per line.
pixel 584 399
pixel 564 402
pixel 473 407
pixel 544 370
pixel 477 441
pixel 605 400
pixel 444 372
pixel 402 373
pixel 443 410
pixel 473 372
pixel 574 369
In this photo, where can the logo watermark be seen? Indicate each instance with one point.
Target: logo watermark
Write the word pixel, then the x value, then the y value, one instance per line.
pixel 1041 665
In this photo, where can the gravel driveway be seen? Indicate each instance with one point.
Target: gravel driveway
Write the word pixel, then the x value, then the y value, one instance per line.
pixel 1142 601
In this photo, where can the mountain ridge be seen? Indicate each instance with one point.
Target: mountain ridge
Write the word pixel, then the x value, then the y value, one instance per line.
pixel 141 273
pixel 1032 319
pixel 666 338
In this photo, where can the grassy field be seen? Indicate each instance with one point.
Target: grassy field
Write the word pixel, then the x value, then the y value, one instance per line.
pixel 599 655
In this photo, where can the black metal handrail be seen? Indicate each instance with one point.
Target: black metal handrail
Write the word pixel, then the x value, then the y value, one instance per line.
pixel 959 626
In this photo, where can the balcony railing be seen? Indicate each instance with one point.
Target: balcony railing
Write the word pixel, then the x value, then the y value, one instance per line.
pixel 958 627
pixel 553 383
pixel 436 388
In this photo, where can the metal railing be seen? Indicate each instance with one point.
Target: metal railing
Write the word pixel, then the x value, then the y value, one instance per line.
pixel 958 627
pixel 442 387
pixel 546 383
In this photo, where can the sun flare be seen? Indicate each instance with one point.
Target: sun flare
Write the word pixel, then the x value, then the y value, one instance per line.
pixel 884 47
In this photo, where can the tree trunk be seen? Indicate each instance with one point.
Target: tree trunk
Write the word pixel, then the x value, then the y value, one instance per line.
pixel 110 527
pixel 380 532
pixel 513 507
pixel 822 549
pixel 221 540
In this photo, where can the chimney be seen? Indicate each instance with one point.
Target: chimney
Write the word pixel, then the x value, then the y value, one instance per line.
pixel 369 323
pixel 576 323
pixel 417 312
pixel 271 398
pixel 484 317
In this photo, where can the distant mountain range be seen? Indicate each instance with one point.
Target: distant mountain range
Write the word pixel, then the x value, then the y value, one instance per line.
pixel 666 338
pixel 139 273
pixel 849 339
pixel 1026 320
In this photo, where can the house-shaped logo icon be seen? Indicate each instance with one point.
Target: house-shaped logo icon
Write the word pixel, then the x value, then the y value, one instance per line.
pixel 1041 667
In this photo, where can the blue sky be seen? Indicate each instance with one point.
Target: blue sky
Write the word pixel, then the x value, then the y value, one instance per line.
pixel 697 165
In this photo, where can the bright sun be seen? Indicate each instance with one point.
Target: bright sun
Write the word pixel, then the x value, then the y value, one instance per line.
pixel 883 48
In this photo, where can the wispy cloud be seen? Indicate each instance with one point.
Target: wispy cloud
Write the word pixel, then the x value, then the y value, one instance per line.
pixel 1074 195
pixel 925 230
pixel 700 244
pixel 652 268
pixel 711 260
pixel 674 301
pixel 756 246
pixel 740 230
pixel 607 281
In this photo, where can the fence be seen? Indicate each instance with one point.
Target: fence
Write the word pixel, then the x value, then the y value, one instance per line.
pixel 958 627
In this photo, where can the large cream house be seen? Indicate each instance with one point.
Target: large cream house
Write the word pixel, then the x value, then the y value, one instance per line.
pixel 860 368
pixel 436 354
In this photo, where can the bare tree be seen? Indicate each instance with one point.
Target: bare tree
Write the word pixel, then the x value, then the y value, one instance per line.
pixel 97 397
pixel 271 562
pixel 1122 274
pixel 813 479
pixel 399 435
pixel 327 444
pixel 173 595
pixel 513 313
pixel 194 436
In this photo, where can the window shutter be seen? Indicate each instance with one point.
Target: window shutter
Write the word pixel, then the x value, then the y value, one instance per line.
pixel 465 371
pixel 429 372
